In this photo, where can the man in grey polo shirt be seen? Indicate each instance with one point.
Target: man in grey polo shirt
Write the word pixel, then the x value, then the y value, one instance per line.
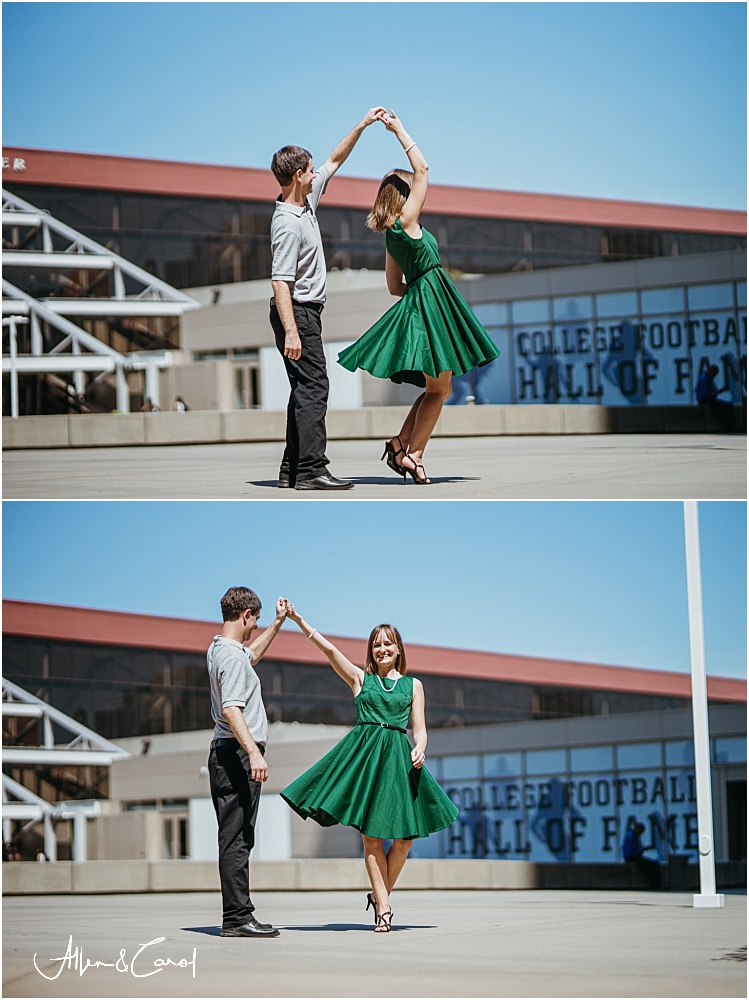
pixel 236 764
pixel 298 275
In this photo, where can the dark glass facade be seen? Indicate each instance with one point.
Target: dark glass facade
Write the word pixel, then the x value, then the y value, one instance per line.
pixel 635 346
pixel 202 241
pixel 121 691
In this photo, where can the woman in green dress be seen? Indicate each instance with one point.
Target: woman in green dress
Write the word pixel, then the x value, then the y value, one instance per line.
pixel 373 780
pixel 431 333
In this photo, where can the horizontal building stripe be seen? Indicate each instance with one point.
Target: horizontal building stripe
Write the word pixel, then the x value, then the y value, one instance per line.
pixel 114 628
pixel 200 180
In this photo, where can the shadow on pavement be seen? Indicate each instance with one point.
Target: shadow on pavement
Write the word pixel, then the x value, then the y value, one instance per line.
pixel 367 481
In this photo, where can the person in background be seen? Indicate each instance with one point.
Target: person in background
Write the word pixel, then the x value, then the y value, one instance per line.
pixel 633 854
pixel 707 393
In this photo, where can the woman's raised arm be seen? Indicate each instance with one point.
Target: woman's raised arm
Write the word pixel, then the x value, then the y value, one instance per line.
pixel 353 675
pixel 415 202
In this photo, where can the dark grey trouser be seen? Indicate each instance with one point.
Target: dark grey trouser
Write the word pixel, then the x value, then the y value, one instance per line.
pixel 236 798
pixel 306 436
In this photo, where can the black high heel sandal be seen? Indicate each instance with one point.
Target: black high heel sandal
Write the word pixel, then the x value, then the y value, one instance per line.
pixel 371 902
pixel 385 920
pixel 391 454
pixel 425 481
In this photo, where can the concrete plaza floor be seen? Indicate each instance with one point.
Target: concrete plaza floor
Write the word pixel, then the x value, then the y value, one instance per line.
pixel 553 467
pixel 444 944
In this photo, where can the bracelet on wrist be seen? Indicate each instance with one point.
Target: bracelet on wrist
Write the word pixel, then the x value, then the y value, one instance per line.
pixel 409 147
pixel 314 630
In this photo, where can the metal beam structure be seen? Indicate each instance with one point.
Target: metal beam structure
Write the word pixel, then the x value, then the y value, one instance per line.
pixel 78 353
pixel 85 749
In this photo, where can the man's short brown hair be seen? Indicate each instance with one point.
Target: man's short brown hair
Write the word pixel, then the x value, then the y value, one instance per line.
pixel 239 599
pixel 287 161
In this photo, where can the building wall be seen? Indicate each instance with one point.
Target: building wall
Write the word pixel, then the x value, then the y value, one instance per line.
pixel 635 333
pixel 567 790
pixel 197 239
pixel 121 692
pixel 554 791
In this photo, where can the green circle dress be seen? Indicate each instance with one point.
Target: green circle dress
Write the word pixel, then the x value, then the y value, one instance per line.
pixel 430 329
pixel 368 781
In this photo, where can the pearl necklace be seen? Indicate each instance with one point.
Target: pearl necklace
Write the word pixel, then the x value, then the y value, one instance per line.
pixel 385 689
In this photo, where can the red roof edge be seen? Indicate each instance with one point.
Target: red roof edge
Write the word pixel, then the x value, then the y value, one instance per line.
pixel 116 628
pixel 201 180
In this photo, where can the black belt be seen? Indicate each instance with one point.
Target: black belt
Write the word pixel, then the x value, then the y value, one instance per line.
pixel 229 741
pixel 417 276
pixel 383 725
pixel 317 306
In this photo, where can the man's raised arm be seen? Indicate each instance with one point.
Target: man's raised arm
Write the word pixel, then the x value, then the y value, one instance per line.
pixel 343 149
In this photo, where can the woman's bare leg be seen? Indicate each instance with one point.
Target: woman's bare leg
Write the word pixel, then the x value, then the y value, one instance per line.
pixel 376 864
pixel 396 859
pixel 406 432
pixel 426 416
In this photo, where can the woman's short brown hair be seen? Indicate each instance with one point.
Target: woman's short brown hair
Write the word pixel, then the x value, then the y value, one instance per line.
pixel 287 161
pixel 395 188
pixel 394 635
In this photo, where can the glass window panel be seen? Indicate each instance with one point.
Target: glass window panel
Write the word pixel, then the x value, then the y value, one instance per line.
pixel 719 341
pixel 490 383
pixel 717 296
pixel 435 768
pixel 679 832
pixel 590 758
pixel 679 752
pixel 530 311
pixel 210 355
pixel 570 310
pixel 491 313
pixel 730 750
pixel 549 827
pixel 642 797
pixel 430 847
pixel 505 804
pixel 546 761
pixel 666 359
pixel 462 766
pixel 571 374
pixel 616 304
pixel 620 347
pixel 656 300
pixel 502 765
pixel 741 293
pixel 594 832
pixel 467 837
pixel 638 755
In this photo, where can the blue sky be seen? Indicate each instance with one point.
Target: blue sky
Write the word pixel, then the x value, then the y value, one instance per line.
pixel 642 101
pixel 600 582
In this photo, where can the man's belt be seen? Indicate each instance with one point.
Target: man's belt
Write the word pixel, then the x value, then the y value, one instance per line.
pixel 317 306
pixel 383 725
pixel 229 741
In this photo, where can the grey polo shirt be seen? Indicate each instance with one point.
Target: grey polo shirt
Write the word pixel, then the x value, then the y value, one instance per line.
pixel 234 682
pixel 297 245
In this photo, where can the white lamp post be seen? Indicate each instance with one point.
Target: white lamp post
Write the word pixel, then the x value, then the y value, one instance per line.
pixel 707 896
